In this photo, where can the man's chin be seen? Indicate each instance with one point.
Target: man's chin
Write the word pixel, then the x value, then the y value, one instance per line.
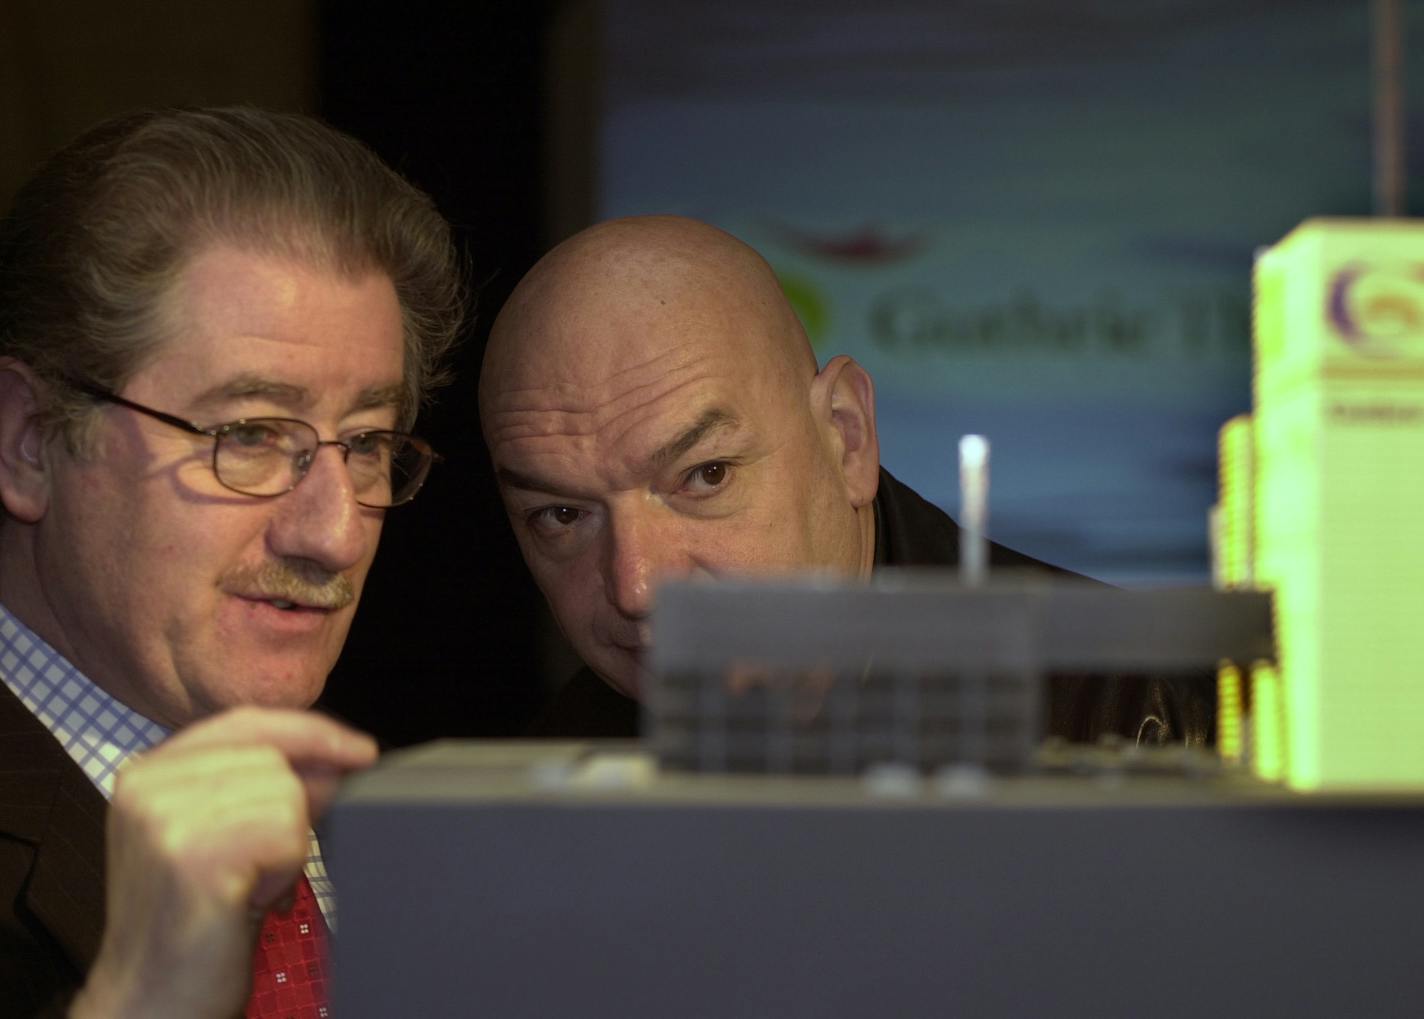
pixel 291 689
pixel 627 676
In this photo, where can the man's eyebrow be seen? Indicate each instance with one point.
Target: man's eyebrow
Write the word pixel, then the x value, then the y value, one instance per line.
pixel 245 385
pixel 292 396
pixel 517 479
pixel 392 395
pixel 711 421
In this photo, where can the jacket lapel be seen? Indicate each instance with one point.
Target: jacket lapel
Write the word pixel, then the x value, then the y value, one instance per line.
pixel 48 802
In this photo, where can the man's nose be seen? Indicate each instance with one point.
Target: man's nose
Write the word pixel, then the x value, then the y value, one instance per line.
pixel 643 551
pixel 320 520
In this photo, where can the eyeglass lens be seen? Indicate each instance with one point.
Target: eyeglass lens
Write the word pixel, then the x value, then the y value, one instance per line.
pixel 268 456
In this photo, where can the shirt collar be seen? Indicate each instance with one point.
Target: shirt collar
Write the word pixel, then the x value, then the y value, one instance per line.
pixel 98 731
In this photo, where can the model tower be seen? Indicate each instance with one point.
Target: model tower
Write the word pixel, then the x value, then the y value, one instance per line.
pixel 1338 500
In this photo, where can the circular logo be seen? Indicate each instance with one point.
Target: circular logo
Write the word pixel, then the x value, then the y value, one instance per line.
pixel 1379 310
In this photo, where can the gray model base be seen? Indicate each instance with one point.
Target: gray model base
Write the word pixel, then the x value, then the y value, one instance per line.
pixel 517 880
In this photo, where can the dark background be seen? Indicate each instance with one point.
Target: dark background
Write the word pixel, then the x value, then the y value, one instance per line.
pixel 446 640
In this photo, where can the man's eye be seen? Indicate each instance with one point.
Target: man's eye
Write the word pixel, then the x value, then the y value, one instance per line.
pixel 706 478
pixel 369 444
pixel 253 435
pixel 552 518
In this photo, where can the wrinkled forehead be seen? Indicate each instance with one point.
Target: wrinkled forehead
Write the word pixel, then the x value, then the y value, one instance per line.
pixel 619 387
pixel 618 396
pixel 237 323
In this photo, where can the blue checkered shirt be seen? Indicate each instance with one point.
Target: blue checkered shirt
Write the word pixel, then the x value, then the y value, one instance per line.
pixel 97 731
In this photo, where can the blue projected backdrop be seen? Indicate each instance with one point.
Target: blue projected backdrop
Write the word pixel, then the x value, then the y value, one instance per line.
pixel 1032 220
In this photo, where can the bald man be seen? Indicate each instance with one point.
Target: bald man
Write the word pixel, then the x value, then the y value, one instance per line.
pixel 653 409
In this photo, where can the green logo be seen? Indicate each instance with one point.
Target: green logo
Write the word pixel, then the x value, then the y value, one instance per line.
pixel 810 306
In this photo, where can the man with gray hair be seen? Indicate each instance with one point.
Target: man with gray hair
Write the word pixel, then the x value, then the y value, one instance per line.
pixel 216 327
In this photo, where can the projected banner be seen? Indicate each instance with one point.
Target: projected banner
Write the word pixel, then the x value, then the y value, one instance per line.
pixel 1099 392
pixel 1032 223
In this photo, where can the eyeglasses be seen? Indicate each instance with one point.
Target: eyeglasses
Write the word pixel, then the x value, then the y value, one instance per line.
pixel 268 457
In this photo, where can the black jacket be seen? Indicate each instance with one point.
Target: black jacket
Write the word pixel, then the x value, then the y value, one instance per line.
pixel 912 532
pixel 51 867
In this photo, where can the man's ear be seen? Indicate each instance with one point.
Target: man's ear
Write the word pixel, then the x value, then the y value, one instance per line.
pixel 24 478
pixel 844 399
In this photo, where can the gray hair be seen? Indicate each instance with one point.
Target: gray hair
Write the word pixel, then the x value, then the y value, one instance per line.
pixel 100 234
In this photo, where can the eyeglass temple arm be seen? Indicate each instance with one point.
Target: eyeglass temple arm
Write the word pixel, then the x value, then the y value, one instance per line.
pixel 158 415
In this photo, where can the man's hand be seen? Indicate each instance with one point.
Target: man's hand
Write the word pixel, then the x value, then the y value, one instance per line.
pixel 204 833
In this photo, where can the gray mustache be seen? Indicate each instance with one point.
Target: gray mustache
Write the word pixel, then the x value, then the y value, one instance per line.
pixel 295 581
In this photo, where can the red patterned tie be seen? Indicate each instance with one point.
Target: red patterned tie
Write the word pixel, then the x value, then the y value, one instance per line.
pixel 289 965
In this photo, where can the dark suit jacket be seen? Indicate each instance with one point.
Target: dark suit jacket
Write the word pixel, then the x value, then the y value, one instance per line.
pixel 51 867
pixel 910 531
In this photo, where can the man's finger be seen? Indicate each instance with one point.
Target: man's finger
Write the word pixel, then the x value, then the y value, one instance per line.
pixel 321 784
pixel 305 738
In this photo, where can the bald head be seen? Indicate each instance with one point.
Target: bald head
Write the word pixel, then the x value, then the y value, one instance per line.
pixel 653 409
pixel 631 289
